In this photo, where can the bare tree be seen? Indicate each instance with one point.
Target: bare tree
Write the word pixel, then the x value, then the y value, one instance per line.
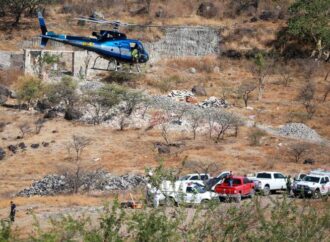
pixel 306 97
pixel 195 118
pixel 24 128
pixel 210 115
pixel 327 87
pixel 77 144
pixel 224 120
pixel 39 124
pixel 261 70
pixel 245 90
pixel 285 73
pixel 165 132
pixel 298 149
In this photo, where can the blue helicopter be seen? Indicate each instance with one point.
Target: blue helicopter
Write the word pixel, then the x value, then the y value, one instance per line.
pixel 111 45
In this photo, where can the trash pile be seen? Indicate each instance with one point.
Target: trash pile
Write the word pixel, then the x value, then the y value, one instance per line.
pixel 99 180
pixel 214 102
pixel 180 95
pixel 299 131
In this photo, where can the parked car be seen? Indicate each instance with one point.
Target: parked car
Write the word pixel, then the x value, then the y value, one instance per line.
pixel 211 184
pixel 241 187
pixel 268 182
pixel 182 193
pixel 200 178
pixel 313 185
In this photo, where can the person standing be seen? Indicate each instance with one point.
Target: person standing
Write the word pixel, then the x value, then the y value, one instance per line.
pixel 288 184
pixel 231 180
pixel 12 211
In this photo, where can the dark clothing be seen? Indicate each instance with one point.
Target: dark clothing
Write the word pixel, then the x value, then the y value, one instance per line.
pixel 12 212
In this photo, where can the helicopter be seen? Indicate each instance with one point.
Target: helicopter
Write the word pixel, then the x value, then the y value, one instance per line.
pixel 111 45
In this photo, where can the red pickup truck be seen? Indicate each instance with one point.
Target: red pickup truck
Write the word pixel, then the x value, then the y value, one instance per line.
pixel 235 188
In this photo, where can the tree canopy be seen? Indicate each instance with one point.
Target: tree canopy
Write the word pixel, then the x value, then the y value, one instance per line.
pixel 310 21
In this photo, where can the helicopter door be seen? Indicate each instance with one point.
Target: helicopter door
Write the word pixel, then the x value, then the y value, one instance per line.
pixel 125 51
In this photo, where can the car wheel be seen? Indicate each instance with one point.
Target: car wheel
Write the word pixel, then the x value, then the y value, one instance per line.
pixel 266 190
pixel 317 194
pixel 222 199
pixel 238 198
pixel 205 203
pixel 171 202
pixel 252 193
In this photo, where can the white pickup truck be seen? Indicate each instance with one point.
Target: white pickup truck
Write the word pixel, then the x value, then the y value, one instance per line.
pixel 267 182
pixel 200 178
pixel 315 184
pixel 180 193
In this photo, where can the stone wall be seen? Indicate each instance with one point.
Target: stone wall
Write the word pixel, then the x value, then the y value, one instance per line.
pixel 199 41
pixel 11 59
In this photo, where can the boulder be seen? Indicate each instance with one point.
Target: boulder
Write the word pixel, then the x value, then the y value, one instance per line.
pixel 160 13
pixel 309 161
pixel 50 114
pixel 253 19
pixel 43 105
pixel 192 70
pixel 163 148
pixel 97 15
pixel 207 10
pixel 4 91
pixel 12 148
pixel 72 114
pixel 266 15
pixel 45 144
pixel 140 10
pixel 199 91
pixel 2 153
pixel 3 99
pixel 22 145
pixel 35 146
pixel 232 54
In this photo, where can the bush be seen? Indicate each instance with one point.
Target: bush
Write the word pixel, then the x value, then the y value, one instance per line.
pixel 29 89
pixel 255 136
pixel 254 221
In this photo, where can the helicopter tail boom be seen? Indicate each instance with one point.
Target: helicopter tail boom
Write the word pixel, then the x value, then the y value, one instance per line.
pixel 44 30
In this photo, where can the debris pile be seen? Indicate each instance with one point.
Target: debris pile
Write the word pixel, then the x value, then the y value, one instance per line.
pixel 299 131
pixel 213 102
pixel 99 180
pixel 49 185
pixel 180 95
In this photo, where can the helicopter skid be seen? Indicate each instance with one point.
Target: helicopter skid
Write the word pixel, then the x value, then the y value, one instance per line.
pixel 114 65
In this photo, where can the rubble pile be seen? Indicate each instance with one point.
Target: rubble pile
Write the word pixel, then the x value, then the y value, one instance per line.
pixel 100 180
pixel 49 185
pixel 299 131
pixel 180 94
pixel 213 102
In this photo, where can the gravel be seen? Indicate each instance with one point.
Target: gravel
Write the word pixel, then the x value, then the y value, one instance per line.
pixel 299 131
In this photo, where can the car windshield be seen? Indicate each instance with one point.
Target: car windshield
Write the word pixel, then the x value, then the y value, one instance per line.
pixel 235 181
pixel 264 175
pixel 311 179
pixel 184 178
pixel 200 189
